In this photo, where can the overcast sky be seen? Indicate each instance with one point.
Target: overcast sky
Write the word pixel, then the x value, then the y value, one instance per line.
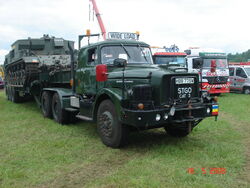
pixel 221 24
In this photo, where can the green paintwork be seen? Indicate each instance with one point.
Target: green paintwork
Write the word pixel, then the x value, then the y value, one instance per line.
pixel 213 55
pixel 134 74
pixel 144 82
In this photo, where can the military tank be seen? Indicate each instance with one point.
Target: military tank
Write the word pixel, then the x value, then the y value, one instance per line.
pixel 35 63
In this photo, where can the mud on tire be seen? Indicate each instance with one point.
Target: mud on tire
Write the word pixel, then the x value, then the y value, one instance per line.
pixel 110 129
pixel 46 103
pixel 59 114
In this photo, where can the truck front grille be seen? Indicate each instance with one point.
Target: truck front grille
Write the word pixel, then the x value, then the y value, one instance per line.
pixel 217 79
pixel 142 92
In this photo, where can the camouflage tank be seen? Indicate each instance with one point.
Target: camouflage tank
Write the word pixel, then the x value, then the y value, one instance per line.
pixel 37 63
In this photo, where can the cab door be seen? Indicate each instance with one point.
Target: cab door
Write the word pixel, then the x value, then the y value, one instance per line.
pixel 231 77
pixel 240 78
pixel 86 74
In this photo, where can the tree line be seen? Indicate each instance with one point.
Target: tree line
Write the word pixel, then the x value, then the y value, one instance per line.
pixel 239 57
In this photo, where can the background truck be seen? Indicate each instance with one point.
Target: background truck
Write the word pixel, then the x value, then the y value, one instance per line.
pixel 170 59
pixel 212 67
pixel 239 74
pixel 112 82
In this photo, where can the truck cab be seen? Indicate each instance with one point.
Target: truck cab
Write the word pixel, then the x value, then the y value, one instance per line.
pixel 119 86
pixel 212 68
pixel 170 59
pixel 239 74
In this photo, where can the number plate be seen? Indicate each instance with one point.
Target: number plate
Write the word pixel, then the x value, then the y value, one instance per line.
pixel 179 81
pixel 184 92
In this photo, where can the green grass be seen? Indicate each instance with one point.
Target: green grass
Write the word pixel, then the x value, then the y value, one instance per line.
pixel 37 152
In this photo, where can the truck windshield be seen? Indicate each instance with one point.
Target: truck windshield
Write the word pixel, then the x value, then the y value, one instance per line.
pixel 247 71
pixel 133 54
pixel 181 61
pixel 220 63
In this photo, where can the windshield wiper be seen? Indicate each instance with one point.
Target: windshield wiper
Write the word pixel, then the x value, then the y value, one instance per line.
pixel 125 50
pixel 144 55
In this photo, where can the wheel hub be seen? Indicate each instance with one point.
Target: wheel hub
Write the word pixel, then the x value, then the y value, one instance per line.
pixel 106 123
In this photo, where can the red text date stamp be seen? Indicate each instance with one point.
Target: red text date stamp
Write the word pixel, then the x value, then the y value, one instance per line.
pixel 206 170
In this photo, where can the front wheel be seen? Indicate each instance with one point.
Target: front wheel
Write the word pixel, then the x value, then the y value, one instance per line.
pixel 179 129
pixel 112 132
pixel 246 90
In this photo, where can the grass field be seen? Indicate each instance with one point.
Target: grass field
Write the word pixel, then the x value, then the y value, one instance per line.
pixel 37 152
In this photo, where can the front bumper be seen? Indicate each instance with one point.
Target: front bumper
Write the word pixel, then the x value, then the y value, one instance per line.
pixel 216 88
pixel 183 113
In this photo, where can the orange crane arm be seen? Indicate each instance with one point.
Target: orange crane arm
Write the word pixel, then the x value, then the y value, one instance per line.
pixel 98 16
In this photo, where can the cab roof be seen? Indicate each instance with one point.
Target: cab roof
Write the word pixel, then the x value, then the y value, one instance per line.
pixel 170 54
pixel 116 42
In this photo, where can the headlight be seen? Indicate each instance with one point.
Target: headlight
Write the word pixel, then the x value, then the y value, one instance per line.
pixel 158 117
pixel 208 110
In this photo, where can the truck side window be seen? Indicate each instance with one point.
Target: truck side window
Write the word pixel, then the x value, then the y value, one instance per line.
pixel 92 56
pixel 231 71
pixel 240 72
pixel 197 62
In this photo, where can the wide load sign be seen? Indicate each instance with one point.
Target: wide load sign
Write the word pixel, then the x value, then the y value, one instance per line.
pixel 123 36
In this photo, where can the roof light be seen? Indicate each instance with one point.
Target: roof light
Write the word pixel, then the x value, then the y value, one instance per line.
pixel 88 33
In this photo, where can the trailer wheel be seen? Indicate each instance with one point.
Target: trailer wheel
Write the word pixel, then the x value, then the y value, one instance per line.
pixel 246 90
pixel 10 94
pixel 59 114
pixel 111 131
pixel 14 95
pixel 46 104
pixel 178 130
pixel 7 92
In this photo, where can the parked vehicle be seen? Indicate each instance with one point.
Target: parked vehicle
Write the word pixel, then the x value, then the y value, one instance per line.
pixel 113 82
pixel 212 67
pixel 240 77
pixel 1 83
pixel 1 72
pixel 170 59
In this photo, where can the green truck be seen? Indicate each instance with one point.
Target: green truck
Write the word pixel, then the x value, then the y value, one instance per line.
pixel 112 82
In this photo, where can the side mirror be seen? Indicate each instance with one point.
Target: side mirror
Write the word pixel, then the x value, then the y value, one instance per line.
pixel 197 62
pixel 119 62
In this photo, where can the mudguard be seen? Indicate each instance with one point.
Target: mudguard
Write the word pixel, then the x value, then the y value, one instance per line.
pixel 64 95
pixel 114 94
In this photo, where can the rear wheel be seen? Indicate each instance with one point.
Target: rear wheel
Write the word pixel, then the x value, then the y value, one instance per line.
pixel 7 93
pixel 59 114
pixel 14 95
pixel 46 103
pixel 246 90
pixel 112 132
pixel 179 130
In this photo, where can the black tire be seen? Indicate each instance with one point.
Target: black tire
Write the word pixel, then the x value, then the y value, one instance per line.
pixel 58 113
pixel 110 129
pixel 46 103
pixel 10 91
pixel 246 90
pixel 178 130
pixel 14 95
pixel 7 93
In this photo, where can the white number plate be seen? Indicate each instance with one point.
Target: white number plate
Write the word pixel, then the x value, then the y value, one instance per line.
pixel 184 80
